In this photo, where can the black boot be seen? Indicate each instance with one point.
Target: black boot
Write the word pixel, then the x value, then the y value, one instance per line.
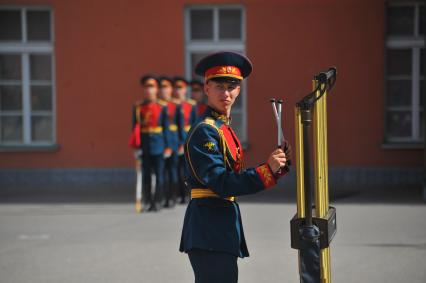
pixel 158 198
pixel 174 193
pixel 166 204
pixel 171 196
pixel 153 207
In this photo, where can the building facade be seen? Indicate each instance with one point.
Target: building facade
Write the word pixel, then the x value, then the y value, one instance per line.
pixel 69 73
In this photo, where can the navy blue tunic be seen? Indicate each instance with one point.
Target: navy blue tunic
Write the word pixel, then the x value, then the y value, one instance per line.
pixel 213 157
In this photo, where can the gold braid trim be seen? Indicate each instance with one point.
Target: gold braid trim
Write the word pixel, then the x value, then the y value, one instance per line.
pixel 211 122
pixel 188 156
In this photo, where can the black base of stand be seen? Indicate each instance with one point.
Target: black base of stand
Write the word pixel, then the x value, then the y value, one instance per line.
pixel 327 228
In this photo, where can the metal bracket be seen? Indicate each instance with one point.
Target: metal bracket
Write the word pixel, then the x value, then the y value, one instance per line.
pixel 327 227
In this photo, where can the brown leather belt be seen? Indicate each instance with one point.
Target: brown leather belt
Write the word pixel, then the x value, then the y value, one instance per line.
pixel 206 193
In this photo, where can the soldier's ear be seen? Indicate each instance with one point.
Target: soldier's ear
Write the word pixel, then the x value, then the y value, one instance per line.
pixel 206 88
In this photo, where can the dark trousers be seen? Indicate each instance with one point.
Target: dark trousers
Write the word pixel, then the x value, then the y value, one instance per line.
pixel 213 267
pixel 171 177
pixel 152 165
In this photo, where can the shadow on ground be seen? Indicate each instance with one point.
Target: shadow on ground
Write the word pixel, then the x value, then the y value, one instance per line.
pixel 281 194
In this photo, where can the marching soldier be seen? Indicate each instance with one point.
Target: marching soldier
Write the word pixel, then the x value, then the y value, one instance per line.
pixel 212 233
pixel 154 125
pixel 175 122
pixel 198 95
pixel 189 115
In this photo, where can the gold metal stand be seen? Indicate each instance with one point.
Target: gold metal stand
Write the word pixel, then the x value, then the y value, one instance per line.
pixel 313 111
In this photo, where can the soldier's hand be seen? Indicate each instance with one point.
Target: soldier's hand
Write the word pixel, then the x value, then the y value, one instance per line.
pixel 277 160
pixel 138 153
pixel 180 150
pixel 167 152
pixel 287 151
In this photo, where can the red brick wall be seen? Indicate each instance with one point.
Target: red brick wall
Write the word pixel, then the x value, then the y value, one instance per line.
pixel 103 47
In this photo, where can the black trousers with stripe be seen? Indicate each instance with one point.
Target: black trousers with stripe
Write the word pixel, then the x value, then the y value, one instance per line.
pixel 213 267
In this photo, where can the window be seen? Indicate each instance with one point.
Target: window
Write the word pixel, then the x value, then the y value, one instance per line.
pixel 210 29
pixel 405 78
pixel 26 76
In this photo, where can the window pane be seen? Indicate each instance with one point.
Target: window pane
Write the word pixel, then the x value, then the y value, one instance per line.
pixel 230 24
pixel 399 124
pixel 422 91
pixel 41 98
pixel 201 24
pixel 422 62
pixel 41 128
pixel 400 20
pixel 238 104
pixel 11 128
pixel 10 67
pixel 10 25
pixel 422 23
pixel 38 25
pixel 10 98
pixel 399 61
pixel 41 67
pixel 399 93
pixel 237 124
pixel 422 125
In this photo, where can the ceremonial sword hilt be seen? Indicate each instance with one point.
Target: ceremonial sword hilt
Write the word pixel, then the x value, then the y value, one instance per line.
pixel 277 110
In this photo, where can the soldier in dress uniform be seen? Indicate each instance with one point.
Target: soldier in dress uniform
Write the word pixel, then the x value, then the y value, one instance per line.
pixel 175 122
pixel 212 233
pixel 188 112
pixel 154 126
pixel 197 92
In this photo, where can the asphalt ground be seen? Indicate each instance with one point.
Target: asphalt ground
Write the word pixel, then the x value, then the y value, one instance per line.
pixel 86 238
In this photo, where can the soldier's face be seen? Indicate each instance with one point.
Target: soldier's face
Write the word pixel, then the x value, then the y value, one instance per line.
pixel 180 92
pixel 150 91
pixel 197 93
pixel 222 95
pixel 166 90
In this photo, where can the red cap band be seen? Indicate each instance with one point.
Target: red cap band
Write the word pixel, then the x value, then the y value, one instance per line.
pixel 223 71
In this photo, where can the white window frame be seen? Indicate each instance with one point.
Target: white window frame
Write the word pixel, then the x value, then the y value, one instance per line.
pixel 25 49
pixel 415 43
pixel 210 46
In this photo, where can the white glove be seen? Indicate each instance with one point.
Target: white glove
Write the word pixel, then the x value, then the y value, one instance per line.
pixel 137 153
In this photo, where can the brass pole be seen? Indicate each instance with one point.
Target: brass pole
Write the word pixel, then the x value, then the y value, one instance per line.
pixel 299 165
pixel 321 174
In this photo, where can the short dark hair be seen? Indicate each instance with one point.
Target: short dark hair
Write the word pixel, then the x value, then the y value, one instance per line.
pixel 179 78
pixel 197 82
pixel 147 77
pixel 165 78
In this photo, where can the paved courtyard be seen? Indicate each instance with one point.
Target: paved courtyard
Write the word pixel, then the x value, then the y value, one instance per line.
pixel 377 241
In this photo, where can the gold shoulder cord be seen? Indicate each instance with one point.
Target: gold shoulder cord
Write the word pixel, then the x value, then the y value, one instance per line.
pixel 224 143
pixel 210 122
